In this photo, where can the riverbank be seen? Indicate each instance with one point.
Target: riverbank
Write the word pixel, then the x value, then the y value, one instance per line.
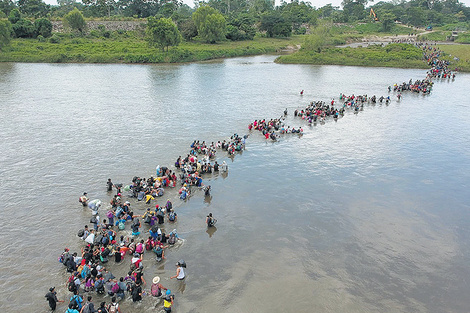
pixel 393 55
pixel 459 51
pixel 390 55
pixel 133 49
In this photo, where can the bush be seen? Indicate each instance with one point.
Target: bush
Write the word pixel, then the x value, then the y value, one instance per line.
pixel 301 31
pixel 23 28
pixel 43 27
pixel 5 33
pixel 54 39
pixel 75 20
pixel 187 29
pixel 41 38
pixel 14 16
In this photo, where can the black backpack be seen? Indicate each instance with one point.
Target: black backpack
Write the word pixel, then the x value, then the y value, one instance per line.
pixel 71 286
pixel 81 232
pixel 74 302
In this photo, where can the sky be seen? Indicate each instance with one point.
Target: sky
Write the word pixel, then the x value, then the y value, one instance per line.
pixel 315 3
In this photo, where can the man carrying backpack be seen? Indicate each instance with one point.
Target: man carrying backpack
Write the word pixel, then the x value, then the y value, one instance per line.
pixel 210 221
pixel 172 216
pixel 76 301
pixel 51 296
pixel 114 306
pixel 89 307
pixel 156 289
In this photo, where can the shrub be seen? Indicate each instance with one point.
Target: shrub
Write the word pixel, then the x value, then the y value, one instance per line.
pixel 43 27
pixel 54 39
pixel 14 16
pixel 23 28
pixel 75 20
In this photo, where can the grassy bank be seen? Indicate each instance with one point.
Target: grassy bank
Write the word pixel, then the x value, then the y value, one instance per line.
pixel 393 55
pixel 460 51
pixel 132 49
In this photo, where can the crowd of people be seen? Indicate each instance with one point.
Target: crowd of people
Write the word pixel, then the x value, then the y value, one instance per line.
pixel 319 111
pixel 122 234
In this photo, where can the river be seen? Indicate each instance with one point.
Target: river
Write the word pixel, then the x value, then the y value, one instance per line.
pixel 366 214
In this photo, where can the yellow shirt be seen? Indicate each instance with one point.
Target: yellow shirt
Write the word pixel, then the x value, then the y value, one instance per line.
pixel 166 304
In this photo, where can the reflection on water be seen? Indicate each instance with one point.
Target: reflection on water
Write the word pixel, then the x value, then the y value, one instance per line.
pixel 366 214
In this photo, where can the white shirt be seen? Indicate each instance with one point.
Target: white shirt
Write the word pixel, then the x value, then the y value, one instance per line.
pixel 91 238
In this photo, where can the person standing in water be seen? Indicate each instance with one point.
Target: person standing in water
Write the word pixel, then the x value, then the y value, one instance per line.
pixel 51 296
pixel 110 185
pixel 210 221
pixel 180 275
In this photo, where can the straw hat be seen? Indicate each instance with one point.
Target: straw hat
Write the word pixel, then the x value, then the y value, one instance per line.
pixel 156 279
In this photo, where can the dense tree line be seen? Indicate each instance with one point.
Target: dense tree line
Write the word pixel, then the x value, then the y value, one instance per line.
pixel 215 20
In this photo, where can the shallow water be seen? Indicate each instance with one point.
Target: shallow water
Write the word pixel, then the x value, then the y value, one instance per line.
pixel 366 214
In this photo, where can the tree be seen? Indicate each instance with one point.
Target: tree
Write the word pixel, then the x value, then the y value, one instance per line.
pixel 6 6
pixel 162 33
pixel 75 20
pixel 275 24
pixel 14 16
pixel 318 39
pixel 187 29
pixel 5 33
pixel 210 24
pixel 168 9
pixel 199 16
pixel 43 27
pixel 23 28
pixel 33 8
pixel 241 27
pixel 214 28
pixel 388 19
pixel 139 8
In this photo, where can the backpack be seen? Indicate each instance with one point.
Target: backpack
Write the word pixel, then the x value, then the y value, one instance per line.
pixel 99 286
pixel 93 220
pixel 159 252
pixel 121 225
pixel 71 286
pixel 172 216
pixel 115 288
pixel 63 257
pixel 156 291
pixel 148 219
pixel 74 302
pixel 86 309
pixel 139 248
pixel 109 214
pixel 113 308
pixel 105 240
pixel 81 232
pixel 172 239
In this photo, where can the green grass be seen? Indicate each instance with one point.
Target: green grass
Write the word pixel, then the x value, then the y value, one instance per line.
pixel 460 51
pixel 393 55
pixel 132 49
pixel 347 33
pixel 463 38
pixel 435 36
